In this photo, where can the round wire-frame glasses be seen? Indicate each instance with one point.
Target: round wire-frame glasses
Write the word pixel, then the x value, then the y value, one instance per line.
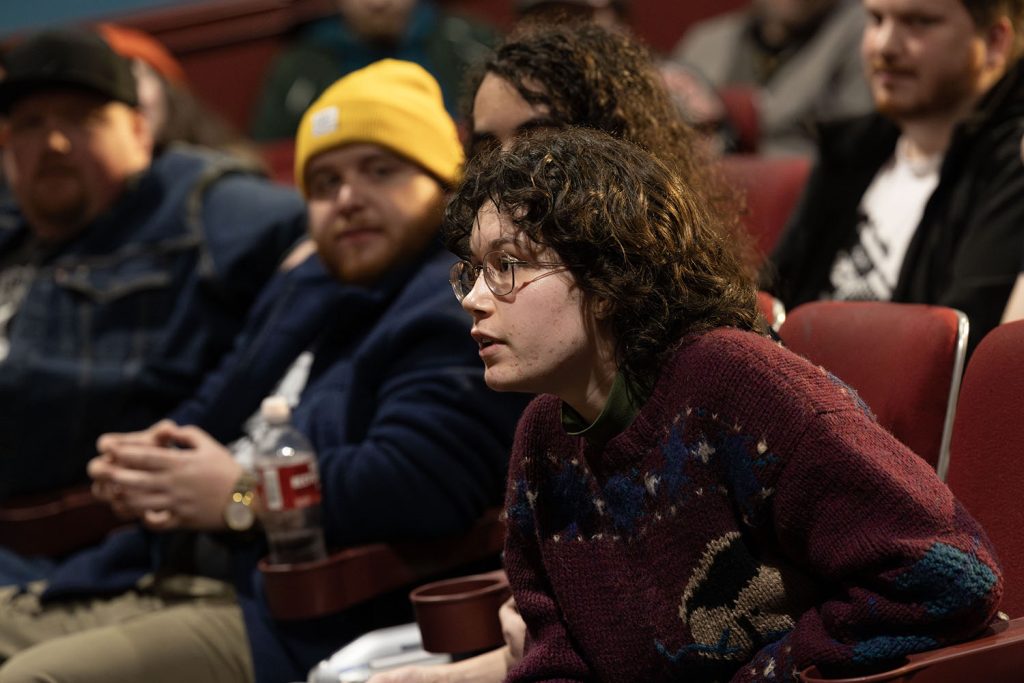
pixel 499 269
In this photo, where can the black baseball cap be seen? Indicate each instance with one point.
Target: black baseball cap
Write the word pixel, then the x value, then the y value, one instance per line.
pixel 66 58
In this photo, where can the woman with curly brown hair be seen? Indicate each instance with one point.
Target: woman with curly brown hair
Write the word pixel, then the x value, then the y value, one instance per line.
pixel 657 276
pixel 578 73
pixel 687 500
pixel 581 74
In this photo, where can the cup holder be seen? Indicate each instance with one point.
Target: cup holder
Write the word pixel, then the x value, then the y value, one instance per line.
pixel 458 616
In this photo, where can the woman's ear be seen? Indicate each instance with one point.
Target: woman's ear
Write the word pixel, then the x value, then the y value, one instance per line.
pixel 602 308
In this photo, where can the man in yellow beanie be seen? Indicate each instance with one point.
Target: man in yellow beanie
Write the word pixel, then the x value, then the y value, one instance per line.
pixel 370 349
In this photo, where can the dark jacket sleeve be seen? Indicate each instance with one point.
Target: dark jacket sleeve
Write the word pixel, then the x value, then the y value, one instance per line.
pixel 280 325
pixel 425 443
pixel 975 273
pixel 826 217
pixel 791 259
pixel 250 224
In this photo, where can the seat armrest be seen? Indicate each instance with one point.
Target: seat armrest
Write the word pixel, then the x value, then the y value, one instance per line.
pixel 55 524
pixel 354 575
pixel 996 656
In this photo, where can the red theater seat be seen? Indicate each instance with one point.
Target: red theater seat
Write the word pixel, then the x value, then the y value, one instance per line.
pixel 986 469
pixel 771 309
pixel 997 656
pixel 280 159
pixel 905 361
pixel 772 186
pixel 741 109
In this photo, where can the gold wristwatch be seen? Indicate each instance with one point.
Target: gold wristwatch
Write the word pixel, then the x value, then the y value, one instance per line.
pixel 239 513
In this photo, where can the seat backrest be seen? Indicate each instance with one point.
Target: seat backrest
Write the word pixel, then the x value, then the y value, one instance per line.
pixel 741 108
pixel 772 186
pixel 904 360
pixel 996 656
pixel 987 452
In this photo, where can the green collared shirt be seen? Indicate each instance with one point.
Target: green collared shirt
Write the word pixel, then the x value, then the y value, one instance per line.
pixel 618 413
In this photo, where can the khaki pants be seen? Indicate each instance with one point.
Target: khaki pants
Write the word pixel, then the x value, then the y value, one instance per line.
pixel 177 629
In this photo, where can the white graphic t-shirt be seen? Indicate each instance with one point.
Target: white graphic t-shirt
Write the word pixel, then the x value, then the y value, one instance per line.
pixel 890 212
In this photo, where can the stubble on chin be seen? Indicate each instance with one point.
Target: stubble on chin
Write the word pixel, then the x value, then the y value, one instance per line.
pixel 57 220
pixel 924 98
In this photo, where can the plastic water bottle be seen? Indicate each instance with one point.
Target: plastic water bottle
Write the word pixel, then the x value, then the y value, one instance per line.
pixel 289 488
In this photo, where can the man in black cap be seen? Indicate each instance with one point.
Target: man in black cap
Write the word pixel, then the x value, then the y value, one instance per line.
pixel 122 279
pixel 60 92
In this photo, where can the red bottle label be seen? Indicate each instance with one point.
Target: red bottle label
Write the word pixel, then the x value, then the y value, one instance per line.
pixel 290 487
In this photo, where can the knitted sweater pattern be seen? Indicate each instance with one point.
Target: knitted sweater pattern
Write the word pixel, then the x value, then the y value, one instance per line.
pixel 754 519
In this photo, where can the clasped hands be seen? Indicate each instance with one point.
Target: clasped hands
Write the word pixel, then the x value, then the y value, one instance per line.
pixel 167 476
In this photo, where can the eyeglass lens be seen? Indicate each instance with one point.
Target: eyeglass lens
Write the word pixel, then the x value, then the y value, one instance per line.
pixel 498 270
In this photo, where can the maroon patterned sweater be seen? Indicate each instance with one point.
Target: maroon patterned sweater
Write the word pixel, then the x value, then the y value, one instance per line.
pixel 753 519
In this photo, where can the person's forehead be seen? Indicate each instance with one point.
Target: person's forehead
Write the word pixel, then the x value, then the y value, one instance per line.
pixel 353 154
pixel 494 229
pixel 915 6
pixel 500 109
pixel 488 224
pixel 498 90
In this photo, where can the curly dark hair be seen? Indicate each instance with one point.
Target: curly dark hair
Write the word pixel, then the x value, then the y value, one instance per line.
pixel 637 237
pixel 588 75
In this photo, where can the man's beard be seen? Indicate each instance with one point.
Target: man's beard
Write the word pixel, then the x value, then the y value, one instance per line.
pixel 64 213
pixel 390 254
pixel 944 96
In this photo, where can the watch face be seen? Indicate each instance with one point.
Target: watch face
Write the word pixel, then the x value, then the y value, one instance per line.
pixel 239 516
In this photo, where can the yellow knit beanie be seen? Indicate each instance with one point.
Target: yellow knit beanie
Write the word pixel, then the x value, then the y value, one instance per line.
pixel 391 103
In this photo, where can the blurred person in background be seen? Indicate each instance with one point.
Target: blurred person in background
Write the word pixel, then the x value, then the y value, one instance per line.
pixel 174 112
pixel 554 74
pixel 919 201
pixel 694 96
pixel 123 278
pixel 799 56
pixel 363 32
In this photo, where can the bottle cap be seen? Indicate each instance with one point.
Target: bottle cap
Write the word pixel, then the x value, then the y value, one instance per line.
pixel 275 410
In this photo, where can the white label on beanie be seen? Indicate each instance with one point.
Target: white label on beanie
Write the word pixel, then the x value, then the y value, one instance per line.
pixel 324 121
